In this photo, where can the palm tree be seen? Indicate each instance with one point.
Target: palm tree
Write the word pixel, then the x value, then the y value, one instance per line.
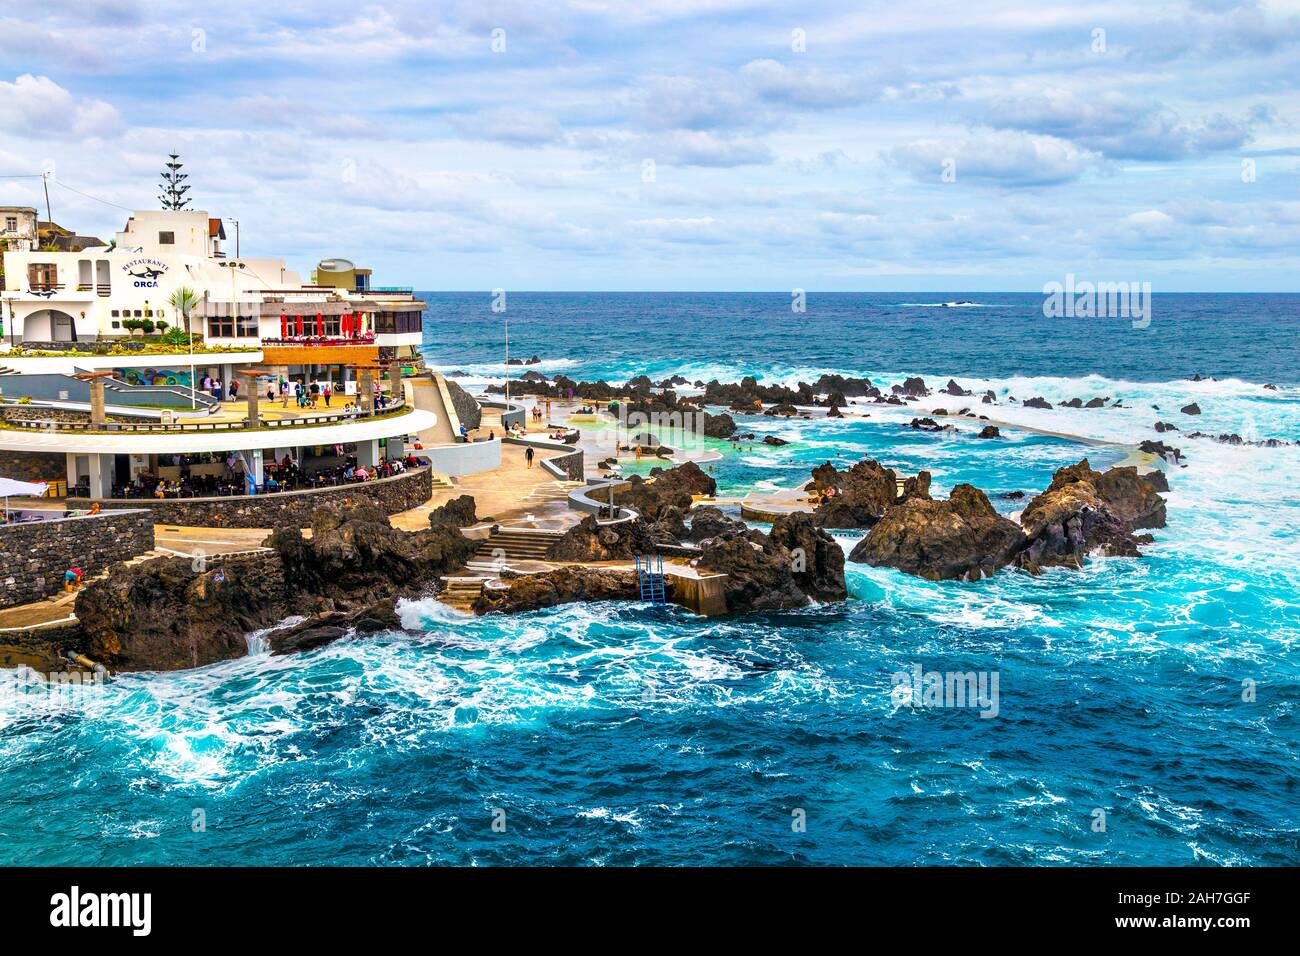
pixel 184 300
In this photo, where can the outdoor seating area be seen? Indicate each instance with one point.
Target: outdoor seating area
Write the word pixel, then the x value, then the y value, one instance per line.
pixel 286 475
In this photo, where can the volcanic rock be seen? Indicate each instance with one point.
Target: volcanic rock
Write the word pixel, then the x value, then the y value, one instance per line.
pixel 456 513
pixel 1192 409
pixel 960 538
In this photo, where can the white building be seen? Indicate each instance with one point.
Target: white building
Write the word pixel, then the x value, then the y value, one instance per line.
pixel 18 228
pixel 87 301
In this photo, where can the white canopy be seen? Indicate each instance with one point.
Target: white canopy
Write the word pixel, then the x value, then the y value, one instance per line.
pixel 10 487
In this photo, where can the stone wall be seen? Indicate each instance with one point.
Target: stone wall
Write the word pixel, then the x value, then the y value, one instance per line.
pixel 34 465
pixel 290 508
pixel 34 555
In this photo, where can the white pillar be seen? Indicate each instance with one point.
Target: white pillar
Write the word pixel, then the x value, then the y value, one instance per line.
pixel 368 453
pixel 101 476
pixel 72 469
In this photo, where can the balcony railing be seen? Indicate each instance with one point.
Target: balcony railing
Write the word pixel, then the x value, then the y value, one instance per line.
pixel 183 427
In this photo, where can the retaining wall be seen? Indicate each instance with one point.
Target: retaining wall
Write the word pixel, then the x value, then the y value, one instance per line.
pixel 34 555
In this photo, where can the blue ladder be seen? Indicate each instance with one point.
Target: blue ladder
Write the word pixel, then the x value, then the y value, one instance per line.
pixel 650 575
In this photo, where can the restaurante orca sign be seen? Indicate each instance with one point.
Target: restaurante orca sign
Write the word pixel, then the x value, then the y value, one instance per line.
pixel 145 272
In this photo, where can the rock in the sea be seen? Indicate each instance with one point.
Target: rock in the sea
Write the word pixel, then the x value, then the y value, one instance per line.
pixel 834 412
pixel 1168 452
pixel 989 431
pixel 961 538
pixel 861 494
pixel 952 388
pixel 1036 402
pixel 784 570
pixel 1166 427
pixel 1095 403
pixel 788 411
pixel 990 397
pixel 773 440
pixel 1192 409
pixel 329 627
pixel 719 426
pixel 1083 511
pixel 912 388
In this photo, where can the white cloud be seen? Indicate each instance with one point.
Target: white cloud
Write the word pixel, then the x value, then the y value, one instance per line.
pixel 36 106
pixel 994 157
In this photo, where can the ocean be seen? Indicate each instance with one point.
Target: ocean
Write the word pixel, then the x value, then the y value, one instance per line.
pixel 1147 709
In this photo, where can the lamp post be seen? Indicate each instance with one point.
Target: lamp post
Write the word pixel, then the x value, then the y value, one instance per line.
pixel 507 318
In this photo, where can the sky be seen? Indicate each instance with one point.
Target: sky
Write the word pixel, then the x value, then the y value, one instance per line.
pixel 682 144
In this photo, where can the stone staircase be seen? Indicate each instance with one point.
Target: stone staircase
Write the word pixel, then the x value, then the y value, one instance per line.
pixel 460 592
pixel 517 544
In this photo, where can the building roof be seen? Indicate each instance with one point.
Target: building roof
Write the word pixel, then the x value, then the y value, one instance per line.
pixel 51 233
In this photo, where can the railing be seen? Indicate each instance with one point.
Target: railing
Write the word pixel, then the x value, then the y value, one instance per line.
pixel 51 425
pixel 318 340
pixel 37 288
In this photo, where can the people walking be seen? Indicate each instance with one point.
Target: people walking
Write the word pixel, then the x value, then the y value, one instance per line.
pixel 528 455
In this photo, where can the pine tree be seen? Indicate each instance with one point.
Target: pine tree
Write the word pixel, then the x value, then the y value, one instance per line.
pixel 173 187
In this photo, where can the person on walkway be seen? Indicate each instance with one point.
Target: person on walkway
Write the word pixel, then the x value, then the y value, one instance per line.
pixel 234 390
pixel 528 456
pixel 71 579
pixel 326 392
pixel 284 394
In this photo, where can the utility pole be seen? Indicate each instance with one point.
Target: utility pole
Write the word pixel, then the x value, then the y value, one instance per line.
pixel 236 222
pixel 507 318
pixel 49 216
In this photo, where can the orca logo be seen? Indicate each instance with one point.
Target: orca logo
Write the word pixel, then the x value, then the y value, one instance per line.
pixel 145 272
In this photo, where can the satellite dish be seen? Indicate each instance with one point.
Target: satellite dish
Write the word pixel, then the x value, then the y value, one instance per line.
pixel 336 265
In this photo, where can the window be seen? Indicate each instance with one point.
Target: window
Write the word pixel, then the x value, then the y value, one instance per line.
pixel 11 223
pixel 166 238
pixel 115 315
pixel 117 325
pixel 138 313
pixel 42 275
pixel 232 326
pixel 390 323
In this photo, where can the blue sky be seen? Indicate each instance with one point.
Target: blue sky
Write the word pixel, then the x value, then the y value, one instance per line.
pixel 684 144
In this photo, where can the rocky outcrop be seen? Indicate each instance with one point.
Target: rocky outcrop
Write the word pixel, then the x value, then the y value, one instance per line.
pixel 861 494
pixel 952 388
pixel 989 431
pixel 961 538
pixel 173 613
pixel 456 513
pixel 718 426
pixel 776 442
pixel 708 522
pixel 796 563
pixel 1192 409
pixel 1085 511
pixel 1036 402
pixel 354 557
pixel 590 541
pixel 467 408
pixel 326 628
pixel 911 388
pixel 1095 403
pixel 566 585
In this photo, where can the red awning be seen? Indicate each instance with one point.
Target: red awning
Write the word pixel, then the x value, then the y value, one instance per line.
pixel 300 325
pixel 284 326
pixel 320 324
pixel 345 324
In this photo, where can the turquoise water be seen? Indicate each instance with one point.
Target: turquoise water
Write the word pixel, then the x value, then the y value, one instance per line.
pixel 621 734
